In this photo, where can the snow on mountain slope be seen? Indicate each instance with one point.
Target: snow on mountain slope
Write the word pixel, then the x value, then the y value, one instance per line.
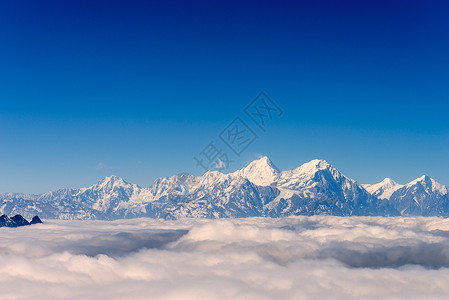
pixel 259 189
pixel 227 196
pixel 383 189
pixel 114 196
pixel 317 187
pixel 175 185
pixel 302 177
pixel 422 197
pixel 430 184
pixel 109 198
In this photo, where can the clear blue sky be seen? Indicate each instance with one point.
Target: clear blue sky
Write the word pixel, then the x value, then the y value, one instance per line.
pixel 143 87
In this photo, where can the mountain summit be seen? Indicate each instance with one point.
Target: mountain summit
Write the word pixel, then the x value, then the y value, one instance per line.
pixel 383 189
pixel 260 172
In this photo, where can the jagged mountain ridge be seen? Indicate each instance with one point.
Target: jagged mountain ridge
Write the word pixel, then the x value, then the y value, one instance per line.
pixel 259 189
pixel 421 197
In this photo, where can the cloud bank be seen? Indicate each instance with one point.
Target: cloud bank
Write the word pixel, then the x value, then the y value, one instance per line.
pixel 291 258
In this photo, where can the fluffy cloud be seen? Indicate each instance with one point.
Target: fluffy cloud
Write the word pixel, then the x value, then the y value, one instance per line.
pixel 255 258
pixel 104 167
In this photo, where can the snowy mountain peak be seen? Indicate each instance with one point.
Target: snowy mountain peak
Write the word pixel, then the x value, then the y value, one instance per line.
pixel 429 183
pixel 320 164
pixel 260 172
pixel 313 166
pixel 111 182
pixel 211 177
pixel 112 178
pixel 386 183
pixel 389 181
pixel 263 161
pixel 426 180
pixel 383 189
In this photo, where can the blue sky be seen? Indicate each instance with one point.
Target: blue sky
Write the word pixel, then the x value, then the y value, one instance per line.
pixel 142 87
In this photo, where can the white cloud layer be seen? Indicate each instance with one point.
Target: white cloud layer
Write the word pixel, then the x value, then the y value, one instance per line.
pixel 291 258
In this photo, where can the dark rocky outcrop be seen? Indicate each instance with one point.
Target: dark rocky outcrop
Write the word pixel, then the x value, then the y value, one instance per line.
pixel 6 221
pixel 35 220
pixel 17 221
pixel 20 221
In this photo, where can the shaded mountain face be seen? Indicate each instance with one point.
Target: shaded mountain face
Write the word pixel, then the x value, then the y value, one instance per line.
pixel 259 189
pixel 318 188
pixel 213 195
pixel 17 221
pixel 35 220
pixel 6 221
pixel 421 197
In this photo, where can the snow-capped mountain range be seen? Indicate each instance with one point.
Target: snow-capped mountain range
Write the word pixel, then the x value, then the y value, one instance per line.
pixel 259 189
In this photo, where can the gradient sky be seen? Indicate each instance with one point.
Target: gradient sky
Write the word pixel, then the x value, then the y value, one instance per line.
pixel 138 88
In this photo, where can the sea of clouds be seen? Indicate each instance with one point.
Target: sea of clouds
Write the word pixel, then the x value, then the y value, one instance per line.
pixel 318 257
